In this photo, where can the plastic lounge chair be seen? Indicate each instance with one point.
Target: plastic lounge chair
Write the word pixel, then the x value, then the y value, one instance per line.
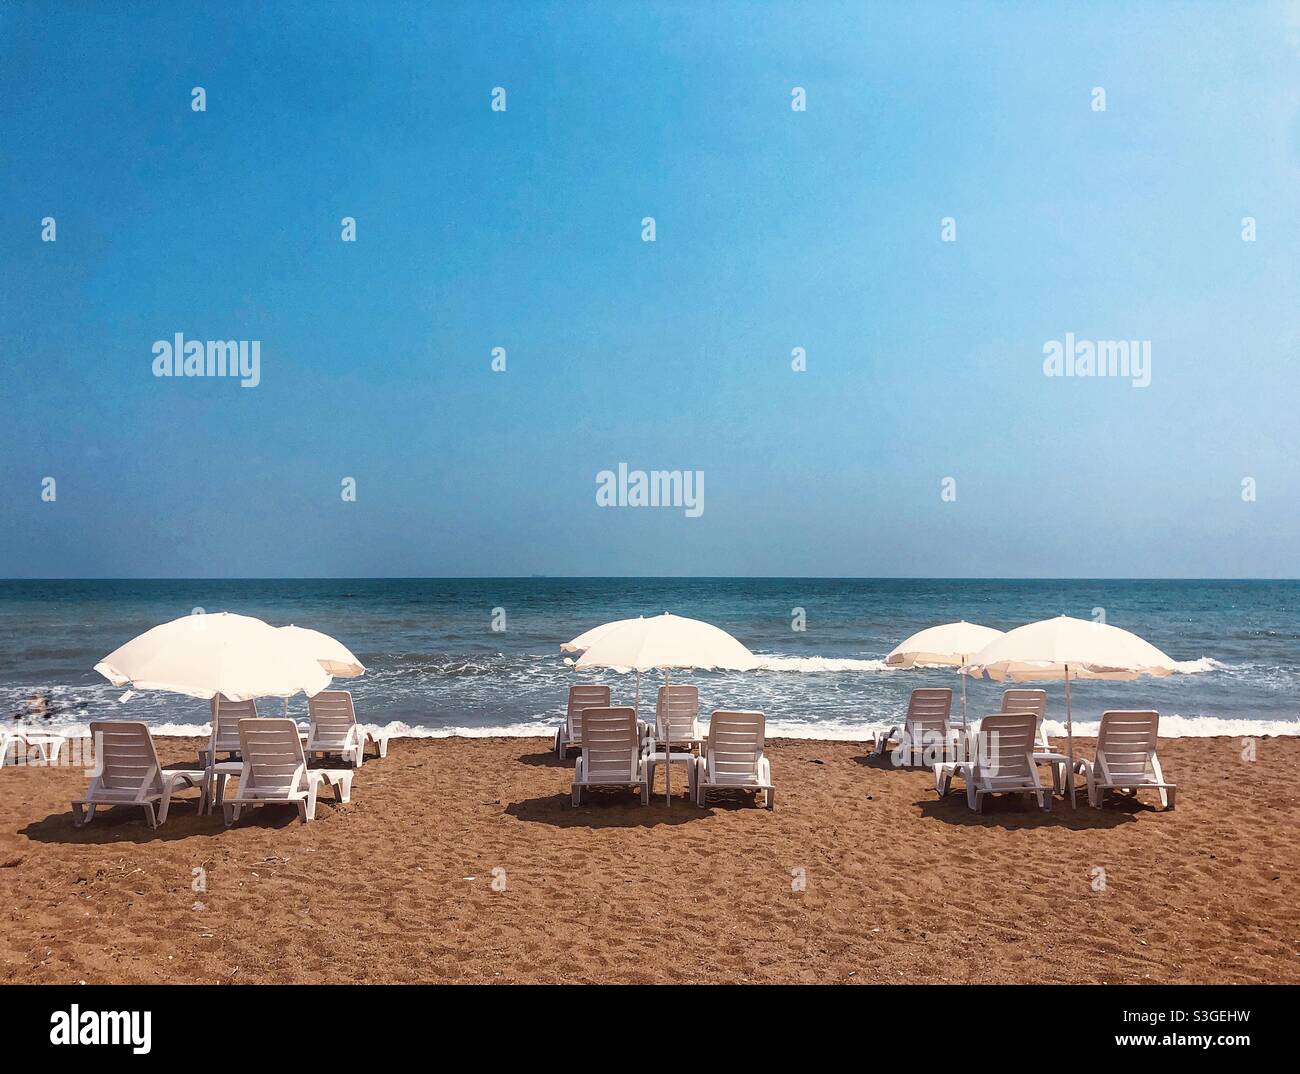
pixel 127 772
pixel 1126 758
pixel 334 727
pixel 1003 762
pixel 275 771
pixel 611 752
pixel 225 727
pixel 1035 701
pixel 734 758
pixel 926 726
pixel 569 735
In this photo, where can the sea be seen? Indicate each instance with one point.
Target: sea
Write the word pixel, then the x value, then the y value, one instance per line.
pixel 482 657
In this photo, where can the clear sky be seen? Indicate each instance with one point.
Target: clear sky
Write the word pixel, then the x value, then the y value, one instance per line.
pixel 775 229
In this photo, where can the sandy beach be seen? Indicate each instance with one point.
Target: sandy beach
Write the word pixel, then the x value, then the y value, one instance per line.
pixel 398 885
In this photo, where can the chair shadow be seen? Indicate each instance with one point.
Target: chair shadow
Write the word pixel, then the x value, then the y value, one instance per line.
pixel 122 823
pixel 125 824
pixel 600 809
pixel 546 759
pixel 1018 812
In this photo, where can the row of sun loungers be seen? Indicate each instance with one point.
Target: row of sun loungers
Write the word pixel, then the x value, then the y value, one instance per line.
pixel 270 758
pixel 1012 744
pixel 618 750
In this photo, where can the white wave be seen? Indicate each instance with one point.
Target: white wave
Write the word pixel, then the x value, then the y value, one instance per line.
pixel 818 663
pixel 1176 726
pixel 1198 667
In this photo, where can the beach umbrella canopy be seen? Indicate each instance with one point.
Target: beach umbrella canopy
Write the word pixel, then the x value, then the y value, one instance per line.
pixel 949 644
pixel 665 642
pixel 204 655
pixel 588 639
pixel 1067 648
pixel 331 654
pixel 1043 651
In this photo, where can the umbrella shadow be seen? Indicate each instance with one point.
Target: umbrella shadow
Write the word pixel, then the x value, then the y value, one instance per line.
pixel 604 810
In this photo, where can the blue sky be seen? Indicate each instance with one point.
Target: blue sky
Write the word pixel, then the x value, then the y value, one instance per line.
pixel 775 229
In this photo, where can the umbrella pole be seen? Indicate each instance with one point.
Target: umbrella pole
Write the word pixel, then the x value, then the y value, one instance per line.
pixel 962 672
pixel 1069 738
pixel 668 764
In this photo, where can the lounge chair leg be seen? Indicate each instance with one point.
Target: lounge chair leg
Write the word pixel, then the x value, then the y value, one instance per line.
pixel 972 798
pixel 149 817
pixel 305 810
pixel 577 796
pixel 343 788
pixel 230 813
pixel 1167 798
pixel 771 798
pixel 166 803
pixel 79 817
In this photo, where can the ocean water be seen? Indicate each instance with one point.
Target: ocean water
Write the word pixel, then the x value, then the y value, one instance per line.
pixel 436 666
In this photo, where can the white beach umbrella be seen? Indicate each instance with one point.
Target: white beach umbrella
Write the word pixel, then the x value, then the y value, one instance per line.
pixel 667 641
pixel 586 640
pixel 949 644
pixel 220 654
pixel 589 638
pixel 332 655
pixel 1066 648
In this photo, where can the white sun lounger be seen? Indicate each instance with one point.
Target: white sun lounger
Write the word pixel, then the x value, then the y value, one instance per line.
pixel 1126 758
pixel 1003 762
pixel 47 744
pixel 275 771
pixel 677 718
pixel 225 727
pixel 925 727
pixel 611 752
pixel 1035 701
pixel 569 735
pixel 127 772
pixel 734 758
pixel 334 727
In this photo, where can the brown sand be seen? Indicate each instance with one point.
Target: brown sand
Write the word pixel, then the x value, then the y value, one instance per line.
pixel 397 886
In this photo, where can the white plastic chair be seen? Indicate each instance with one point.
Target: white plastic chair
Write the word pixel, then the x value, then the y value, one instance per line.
pixel 334 727
pixel 611 753
pixel 927 726
pixel 1035 701
pixel 275 771
pixel 1003 762
pixel 569 734
pixel 734 758
pixel 127 772
pixel 1126 758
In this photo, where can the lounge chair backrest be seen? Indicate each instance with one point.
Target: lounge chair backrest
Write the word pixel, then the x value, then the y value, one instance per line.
pixel 1006 747
pixel 927 713
pixel 735 745
pixel 332 716
pixel 225 723
pixel 1034 701
pixel 274 764
pixel 677 714
pixel 581 697
pixel 611 748
pixel 125 758
pixel 1126 743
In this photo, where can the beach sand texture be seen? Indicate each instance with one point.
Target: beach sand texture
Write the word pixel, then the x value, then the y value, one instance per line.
pixel 398 886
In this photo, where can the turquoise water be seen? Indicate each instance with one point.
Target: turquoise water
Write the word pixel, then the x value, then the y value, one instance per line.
pixel 437 667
